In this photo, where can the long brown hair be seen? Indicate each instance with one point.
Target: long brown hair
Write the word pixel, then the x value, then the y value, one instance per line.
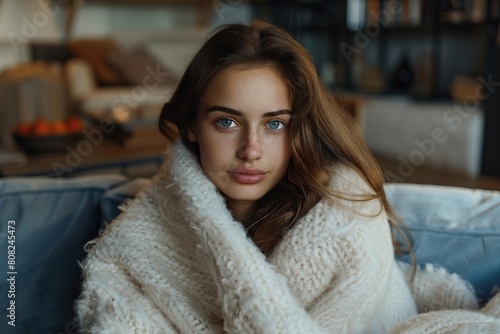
pixel 321 133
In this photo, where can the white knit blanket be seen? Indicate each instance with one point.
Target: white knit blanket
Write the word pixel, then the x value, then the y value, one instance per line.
pixel 176 262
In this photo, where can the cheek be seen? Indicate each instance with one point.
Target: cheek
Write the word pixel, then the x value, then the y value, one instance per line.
pixel 215 161
pixel 211 141
pixel 214 150
pixel 281 149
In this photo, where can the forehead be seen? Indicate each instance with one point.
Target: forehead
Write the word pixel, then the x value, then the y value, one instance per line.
pixel 244 86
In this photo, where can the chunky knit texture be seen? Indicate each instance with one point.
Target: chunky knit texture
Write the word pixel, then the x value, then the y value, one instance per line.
pixel 485 321
pixel 176 261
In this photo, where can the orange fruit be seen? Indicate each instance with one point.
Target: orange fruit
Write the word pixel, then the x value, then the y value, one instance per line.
pixel 23 129
pixel 41 128
pixel 59 128
pixel 74 124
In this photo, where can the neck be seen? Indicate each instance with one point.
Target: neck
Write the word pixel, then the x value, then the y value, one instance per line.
pixel 240 209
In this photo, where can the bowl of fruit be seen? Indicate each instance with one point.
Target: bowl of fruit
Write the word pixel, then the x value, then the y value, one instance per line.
pixel 43 136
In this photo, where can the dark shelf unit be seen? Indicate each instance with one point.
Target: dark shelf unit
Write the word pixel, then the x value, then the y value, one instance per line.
pixel 490 164
pixel 326 21
pixel 322 21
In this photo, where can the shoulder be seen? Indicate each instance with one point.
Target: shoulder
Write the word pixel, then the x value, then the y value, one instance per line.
pixel 353 213
pixel 339 239
pixel 353 221
pixel 348 180
pixel 352 193
pixel 351 205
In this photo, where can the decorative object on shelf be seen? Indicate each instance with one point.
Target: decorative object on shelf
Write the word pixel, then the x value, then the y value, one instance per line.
pixel 466 89
pixel 403 74
pixel 452 11
pixel 372 80
pixel 133 128
pixel 357 68
pixel 423 86
pixel 477 10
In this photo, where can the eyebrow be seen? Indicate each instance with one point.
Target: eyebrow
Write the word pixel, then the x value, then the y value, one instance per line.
pixel 240 113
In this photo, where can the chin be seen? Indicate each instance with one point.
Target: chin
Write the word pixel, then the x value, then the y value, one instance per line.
pixel 245 194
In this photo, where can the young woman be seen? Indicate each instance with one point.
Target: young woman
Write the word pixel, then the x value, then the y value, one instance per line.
pixel 268 215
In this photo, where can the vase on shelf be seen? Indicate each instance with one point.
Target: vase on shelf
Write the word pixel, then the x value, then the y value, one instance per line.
pixel 403 73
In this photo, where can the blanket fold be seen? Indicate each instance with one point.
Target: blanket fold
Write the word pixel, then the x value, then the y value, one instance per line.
pixel 175 261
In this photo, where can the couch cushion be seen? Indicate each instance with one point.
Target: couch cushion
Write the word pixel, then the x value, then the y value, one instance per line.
pixel 96 52
pixel 53 221
pixel 137 67
pixel 456 228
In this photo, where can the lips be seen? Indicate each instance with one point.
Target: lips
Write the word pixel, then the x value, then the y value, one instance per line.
pixel 248 175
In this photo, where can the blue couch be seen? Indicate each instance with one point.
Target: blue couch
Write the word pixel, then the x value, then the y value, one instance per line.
pixel 53 221
pixel 453 227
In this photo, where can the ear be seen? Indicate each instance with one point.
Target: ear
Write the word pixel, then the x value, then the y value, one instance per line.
pixel 192 136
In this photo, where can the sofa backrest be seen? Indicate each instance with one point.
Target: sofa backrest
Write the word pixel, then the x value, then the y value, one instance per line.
pixel 455 228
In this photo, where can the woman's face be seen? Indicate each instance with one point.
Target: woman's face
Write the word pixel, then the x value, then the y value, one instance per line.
pixel 242 132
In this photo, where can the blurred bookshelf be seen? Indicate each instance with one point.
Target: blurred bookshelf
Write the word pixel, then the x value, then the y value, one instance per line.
pixel 352 40
pixel 444 50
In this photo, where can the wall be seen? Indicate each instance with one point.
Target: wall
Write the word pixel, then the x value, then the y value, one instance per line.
pixel 110 18
pixel 22 22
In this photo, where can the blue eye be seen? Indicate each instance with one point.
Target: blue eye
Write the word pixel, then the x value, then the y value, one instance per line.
pixel 226 123
pixel 275 125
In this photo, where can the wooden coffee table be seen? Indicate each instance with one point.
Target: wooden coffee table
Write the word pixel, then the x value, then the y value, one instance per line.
pixel 108 156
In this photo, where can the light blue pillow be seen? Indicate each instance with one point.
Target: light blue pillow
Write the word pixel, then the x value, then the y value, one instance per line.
pixel 456 228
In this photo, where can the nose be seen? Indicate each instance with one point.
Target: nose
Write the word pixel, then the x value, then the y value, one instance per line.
pixel 250 147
